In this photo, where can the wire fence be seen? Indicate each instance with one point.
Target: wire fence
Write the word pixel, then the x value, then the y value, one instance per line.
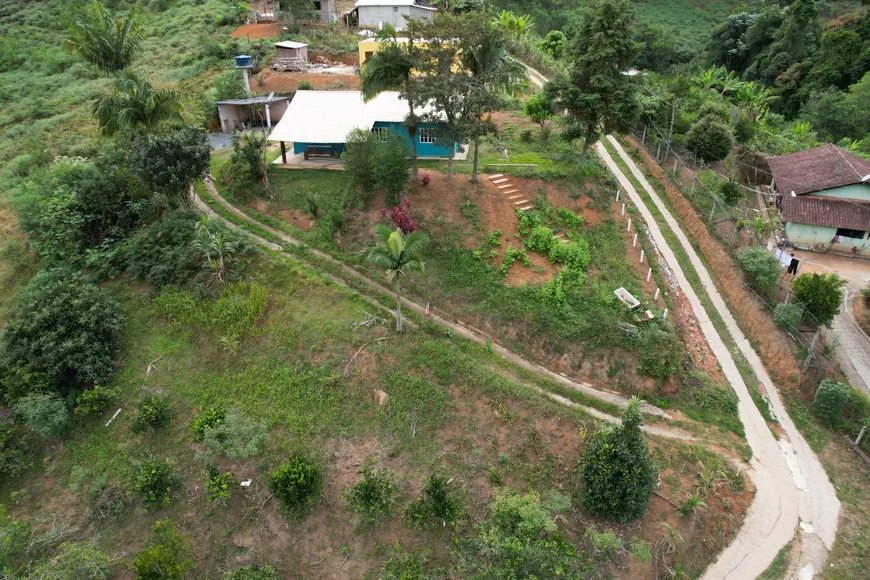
pixel 717 232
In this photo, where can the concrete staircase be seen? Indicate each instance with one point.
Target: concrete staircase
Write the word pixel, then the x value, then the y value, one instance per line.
pixel 517 198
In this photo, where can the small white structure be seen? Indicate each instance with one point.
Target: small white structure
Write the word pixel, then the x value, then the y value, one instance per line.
pixel 290 56
pixel 376 13
pixel 251 112
pixel 626 298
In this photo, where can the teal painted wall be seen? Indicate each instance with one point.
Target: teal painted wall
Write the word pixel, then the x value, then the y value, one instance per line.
pixel 856 191
pixel 299 148
pixel 807 235
pixel 423 149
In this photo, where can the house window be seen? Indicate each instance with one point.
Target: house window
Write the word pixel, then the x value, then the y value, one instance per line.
pixel 381 132
pixel 317 5
pixel 427 135
pixel 369 54
pixel 847 233
pixel 395 8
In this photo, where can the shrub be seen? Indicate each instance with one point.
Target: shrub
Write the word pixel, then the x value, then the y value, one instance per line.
pixel 710 139
pixel 14 450
pixel 152 411
pixel 372 497
pixel 605 543
pixel 155 479
pixel 166 555
pixel 107 500
pixel 820 295
pixel 75 561
pixel 169 163
pixel 762 267
pixel 359 162
pixel 217 485
pixel 400 215
pixel 402 565
pixel 252 572
pixel 44 413
pixel 436 504
pixel 520 540
pixel 95 401
pixel 391 169
pixel 64 329
pixel 211 417
pixel 236 437
pixel 526 136
pixel 659 352
pixel 788 316
pixel 540 239
pixel 573 255
pixel 616 473
pixel 425 180
pixel 296 484
pixel 830 401
pixel 730 192
pixel 304 85
pixel 571 220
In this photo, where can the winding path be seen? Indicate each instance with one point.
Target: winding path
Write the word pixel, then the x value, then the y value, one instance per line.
pixel 791 486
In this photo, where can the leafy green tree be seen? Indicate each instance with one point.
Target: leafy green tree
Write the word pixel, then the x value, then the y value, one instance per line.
pixel 657 50
pixel 596 94
pixel 398 255
pixel 359 162
pixel 830 401
pixel 710 138
pixel 170 163
pixel 248 158
pixel 520 540
pixel 539 108
pixel 389 69
pixel 296 484
pixel 727 46
pixel 64 330
pixel 373 495
pixel 837 114
pixel 391 167
pixel 104 40
pixel 14 450
pixel 44 413
pixel 135 104
pixel 820 295
pixel 788 316
pixel 762 267
pixel 843 57
pixel 485 54
pixel 166 556
pixel 616 472
pixel 755 99
pixel 731 192
pixel 554 43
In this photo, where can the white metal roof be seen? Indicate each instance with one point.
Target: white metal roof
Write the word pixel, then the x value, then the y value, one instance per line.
pixel 290 44
pixel 328 116
pixel 359 3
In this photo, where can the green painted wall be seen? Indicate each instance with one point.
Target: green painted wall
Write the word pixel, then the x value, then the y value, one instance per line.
pixel 807 235
pixel 856 191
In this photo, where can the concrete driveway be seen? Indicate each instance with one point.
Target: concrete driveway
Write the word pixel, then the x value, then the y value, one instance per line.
pixel 852 346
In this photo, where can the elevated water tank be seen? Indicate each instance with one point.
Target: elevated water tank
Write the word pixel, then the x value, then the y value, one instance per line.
pixel 243 61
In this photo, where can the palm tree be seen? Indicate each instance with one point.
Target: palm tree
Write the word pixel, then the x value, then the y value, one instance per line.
pixel 398 255
pixel 107 42
pixel 216 248
pixel 756 99
pixel 389 69
pixel 134 103
pixel 492 70
pixel 514 26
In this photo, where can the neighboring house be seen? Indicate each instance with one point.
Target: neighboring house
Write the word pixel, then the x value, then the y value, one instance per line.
pixel 370 46
pixel 290 56
pixel 317 123
pixel 251 112
pixel 376 13
pixel 324 11
pixel 825 199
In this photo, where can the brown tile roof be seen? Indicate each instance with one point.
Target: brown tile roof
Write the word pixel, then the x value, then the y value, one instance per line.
pixel 817 169
pixel 834 212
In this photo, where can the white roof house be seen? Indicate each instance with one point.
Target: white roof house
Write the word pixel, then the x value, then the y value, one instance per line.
pixel 290 44
pixel 376 13
pixel 328 116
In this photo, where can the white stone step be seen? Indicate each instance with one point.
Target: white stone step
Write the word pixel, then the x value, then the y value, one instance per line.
pixel 505 186
pixel 528 207
pixel 559 236
pixel 496 176
pixel 519 195
pixel 521 202
pixel 502 180
pixel 510 191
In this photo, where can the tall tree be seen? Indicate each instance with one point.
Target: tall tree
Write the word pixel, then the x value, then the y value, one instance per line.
pixel 485 55
pixel 136 104
pixel 170 163
pixel 104 40
pixel 398 255
pixel 389 69
pixel 596 93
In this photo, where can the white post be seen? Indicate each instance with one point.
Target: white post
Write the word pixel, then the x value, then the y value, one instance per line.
pixel 634 241
pixel 628 229
pixel 247 82
pixel 665 315
pixel 623 209
pixel 268 117
pixel 861 435
pixel 675 166
pixel 641 256
pixel 617 195
pixel 648 274
pixel 656 297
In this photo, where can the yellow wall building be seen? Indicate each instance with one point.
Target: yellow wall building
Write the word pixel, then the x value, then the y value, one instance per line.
pixel 370 46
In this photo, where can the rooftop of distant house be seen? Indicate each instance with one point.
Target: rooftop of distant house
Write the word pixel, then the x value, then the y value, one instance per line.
pixel 818 169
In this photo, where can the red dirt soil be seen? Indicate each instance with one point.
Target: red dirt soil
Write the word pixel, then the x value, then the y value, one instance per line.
pixel 254 31
pixel 286 82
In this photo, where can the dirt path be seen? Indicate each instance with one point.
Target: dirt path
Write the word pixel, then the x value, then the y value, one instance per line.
pixel 468 333
pixel 791 486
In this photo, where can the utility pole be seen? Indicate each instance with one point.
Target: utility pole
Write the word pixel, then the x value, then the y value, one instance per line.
pixel 673 115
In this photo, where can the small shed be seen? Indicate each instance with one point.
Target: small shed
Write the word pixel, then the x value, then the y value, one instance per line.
pixel 251 112
pixel 290 56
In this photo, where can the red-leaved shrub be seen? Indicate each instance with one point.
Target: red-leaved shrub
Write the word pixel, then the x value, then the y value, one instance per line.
pixel 400 215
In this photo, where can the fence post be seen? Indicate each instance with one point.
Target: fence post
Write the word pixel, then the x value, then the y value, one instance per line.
pixel 623 209
pixel 628 229
pixel 643 139
pixel 665 315
pixel 634 241
pixel 617 195
pixel 711 211
pixel 861 435
pixel 648 274
pixel 656 297
pixel 658 150
pixel 675 166
pixel 693 186
pixel 641 256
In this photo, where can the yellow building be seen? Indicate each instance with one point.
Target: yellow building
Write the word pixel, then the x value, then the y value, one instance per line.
pixel 370 46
